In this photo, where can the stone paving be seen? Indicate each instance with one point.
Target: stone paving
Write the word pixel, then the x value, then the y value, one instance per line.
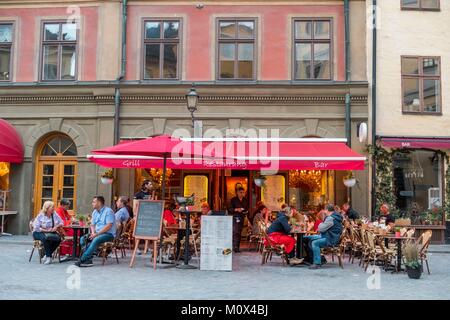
pixel 20 279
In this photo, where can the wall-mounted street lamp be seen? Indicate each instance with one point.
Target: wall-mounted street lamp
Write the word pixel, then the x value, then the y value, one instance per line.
pixel 192 100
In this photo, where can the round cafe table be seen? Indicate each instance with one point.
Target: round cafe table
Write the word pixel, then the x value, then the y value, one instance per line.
pixel 399 249
pixel 78 232
pixel 299 246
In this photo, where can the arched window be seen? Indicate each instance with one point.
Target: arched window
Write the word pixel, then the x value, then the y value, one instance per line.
pixel 59 146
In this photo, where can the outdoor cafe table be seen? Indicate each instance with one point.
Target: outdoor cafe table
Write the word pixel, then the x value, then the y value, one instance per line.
pixel 180 235
pixel 299 246
pixel 78 232
pixel 399 248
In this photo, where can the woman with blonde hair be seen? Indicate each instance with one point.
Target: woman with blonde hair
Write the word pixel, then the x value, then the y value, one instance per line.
pixel 45 226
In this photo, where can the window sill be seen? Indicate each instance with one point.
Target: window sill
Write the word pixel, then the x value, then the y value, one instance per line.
pixel 421 9
pixel 422 113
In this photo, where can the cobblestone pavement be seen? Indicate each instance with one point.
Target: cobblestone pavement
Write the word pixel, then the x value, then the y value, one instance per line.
pixel 20 279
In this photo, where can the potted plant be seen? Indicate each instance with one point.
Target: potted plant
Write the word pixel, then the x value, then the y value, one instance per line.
pixel 413 266
pixel 349 179
pixel 107 177
pixel 81 219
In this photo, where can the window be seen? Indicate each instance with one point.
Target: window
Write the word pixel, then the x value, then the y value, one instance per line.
pixel 421 84
pixel 312 49
pixel 161 49
pixel 6 38
pixel 420 4
pixel 59 47
pixel 236 49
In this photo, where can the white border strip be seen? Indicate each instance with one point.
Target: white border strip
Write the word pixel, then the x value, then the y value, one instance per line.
pixel 133 157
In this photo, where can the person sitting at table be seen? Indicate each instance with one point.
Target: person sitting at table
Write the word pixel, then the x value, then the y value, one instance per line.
pixel 64 205
pixel 129 208
pixel 349 212
pixel 320 217
pixel 330 232
pixel 385 215
pixel 279 233
pixel 122 214
pixel 259 219
pixel 103 229
pixel 45 227
pixel 168 213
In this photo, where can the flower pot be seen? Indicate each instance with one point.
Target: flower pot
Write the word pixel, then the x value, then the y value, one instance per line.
pixel 106 180
pixel 349 182
pixel 414 273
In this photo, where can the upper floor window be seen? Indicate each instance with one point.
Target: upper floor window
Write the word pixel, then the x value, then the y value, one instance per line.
pixel 236 49
pixel 161 49
pixel 59 51
pixel 421 84
pixel 420 4
pixel 312 49
pixel 6 41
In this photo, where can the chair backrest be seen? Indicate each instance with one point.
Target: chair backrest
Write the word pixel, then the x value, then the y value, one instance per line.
pixel 30 225
pixel 370 238
pixel 424 240
pixel 403 232
pixel 410 232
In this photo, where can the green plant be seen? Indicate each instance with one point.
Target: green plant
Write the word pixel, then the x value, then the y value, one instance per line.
pixel 412 255
pixel 81 217
pixel 349 175
pixel 108 174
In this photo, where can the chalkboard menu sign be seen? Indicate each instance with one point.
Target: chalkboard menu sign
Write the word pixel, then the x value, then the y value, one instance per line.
pixel 149 219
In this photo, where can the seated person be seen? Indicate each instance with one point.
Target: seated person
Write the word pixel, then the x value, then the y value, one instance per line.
pixel 319 219
pixel 62 212
pixel 103 229
pixel 279 233
pixel 168 216
pixel 386 216
pixel 330 232
pixel 259 218
pixel 349 212
pixel 122 214
pixel 45 226
pixel 206 210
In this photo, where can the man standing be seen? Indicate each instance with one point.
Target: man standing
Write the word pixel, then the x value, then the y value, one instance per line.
pixel 238 209
pixel 103 229
pixel 349 212
pixel 147 191
pixel 330 232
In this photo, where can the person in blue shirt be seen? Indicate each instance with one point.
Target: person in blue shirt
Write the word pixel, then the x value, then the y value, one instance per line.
pixel 122 214
pixel 103 229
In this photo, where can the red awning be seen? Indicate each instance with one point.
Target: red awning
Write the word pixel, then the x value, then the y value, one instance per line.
pixel 11 147
pixel 247 154
pixel 409 142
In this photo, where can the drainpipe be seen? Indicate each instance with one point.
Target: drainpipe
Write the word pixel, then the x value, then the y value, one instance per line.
pixel 374 97
pixel 117 96
pixel 348 123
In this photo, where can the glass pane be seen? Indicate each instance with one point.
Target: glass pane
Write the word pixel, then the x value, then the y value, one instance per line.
pixel 152 30
pixel 69 181
pixel 170 61
pixel 430 4
pixel 50 63
pixel 227 29
pixel 68 193
pixel 47 192
pixel 303 30
pixel 47 181
pixel 322 61
pixel 69 31
pixel 51 31
pixel 5 33
pixel 152 61
pixel 431 67
pixel 47 169
pixel 431 91
pixel 245 60
pixel 71 151
pixel 5 60
pixel 65 144
pixel 55 144
pixel 226 57
pixel 48 151
pixel 246 29
pixel 410 3
pixel 171 29
pixel 410 66
pixel 411 99
pixel 321 30
pixel 303 61
pixel 68 63
pixel 69 170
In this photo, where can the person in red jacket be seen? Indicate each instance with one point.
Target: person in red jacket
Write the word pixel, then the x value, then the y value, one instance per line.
pixel 64 205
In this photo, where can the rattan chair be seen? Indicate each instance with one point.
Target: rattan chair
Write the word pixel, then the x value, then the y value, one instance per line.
pixel 424 242
pixel 269 247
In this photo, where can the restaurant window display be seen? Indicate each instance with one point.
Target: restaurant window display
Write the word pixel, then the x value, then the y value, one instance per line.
pixel 418 185
pixel 198 186
pixel 4 183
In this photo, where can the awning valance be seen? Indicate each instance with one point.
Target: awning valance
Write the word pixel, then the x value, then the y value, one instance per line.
pixel 418 143
pixel 244 154
pixel 11 147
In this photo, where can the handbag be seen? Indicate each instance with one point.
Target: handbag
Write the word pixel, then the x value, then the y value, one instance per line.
pixel 54 236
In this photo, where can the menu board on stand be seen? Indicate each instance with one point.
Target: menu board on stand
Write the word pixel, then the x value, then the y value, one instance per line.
pixel 216 243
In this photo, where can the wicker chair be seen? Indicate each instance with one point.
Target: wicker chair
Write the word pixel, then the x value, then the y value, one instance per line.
pixel 37 245
pixel 117 244
pixel 127 234
pixel 424 242
pixel 338 249
pixel 269 247
pixel 194 242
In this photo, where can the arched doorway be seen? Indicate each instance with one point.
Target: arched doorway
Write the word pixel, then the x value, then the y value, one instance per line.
pixel 56 171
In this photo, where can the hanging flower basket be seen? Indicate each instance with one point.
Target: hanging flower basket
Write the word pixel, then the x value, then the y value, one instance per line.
pixel 349 179
pixel 106 180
